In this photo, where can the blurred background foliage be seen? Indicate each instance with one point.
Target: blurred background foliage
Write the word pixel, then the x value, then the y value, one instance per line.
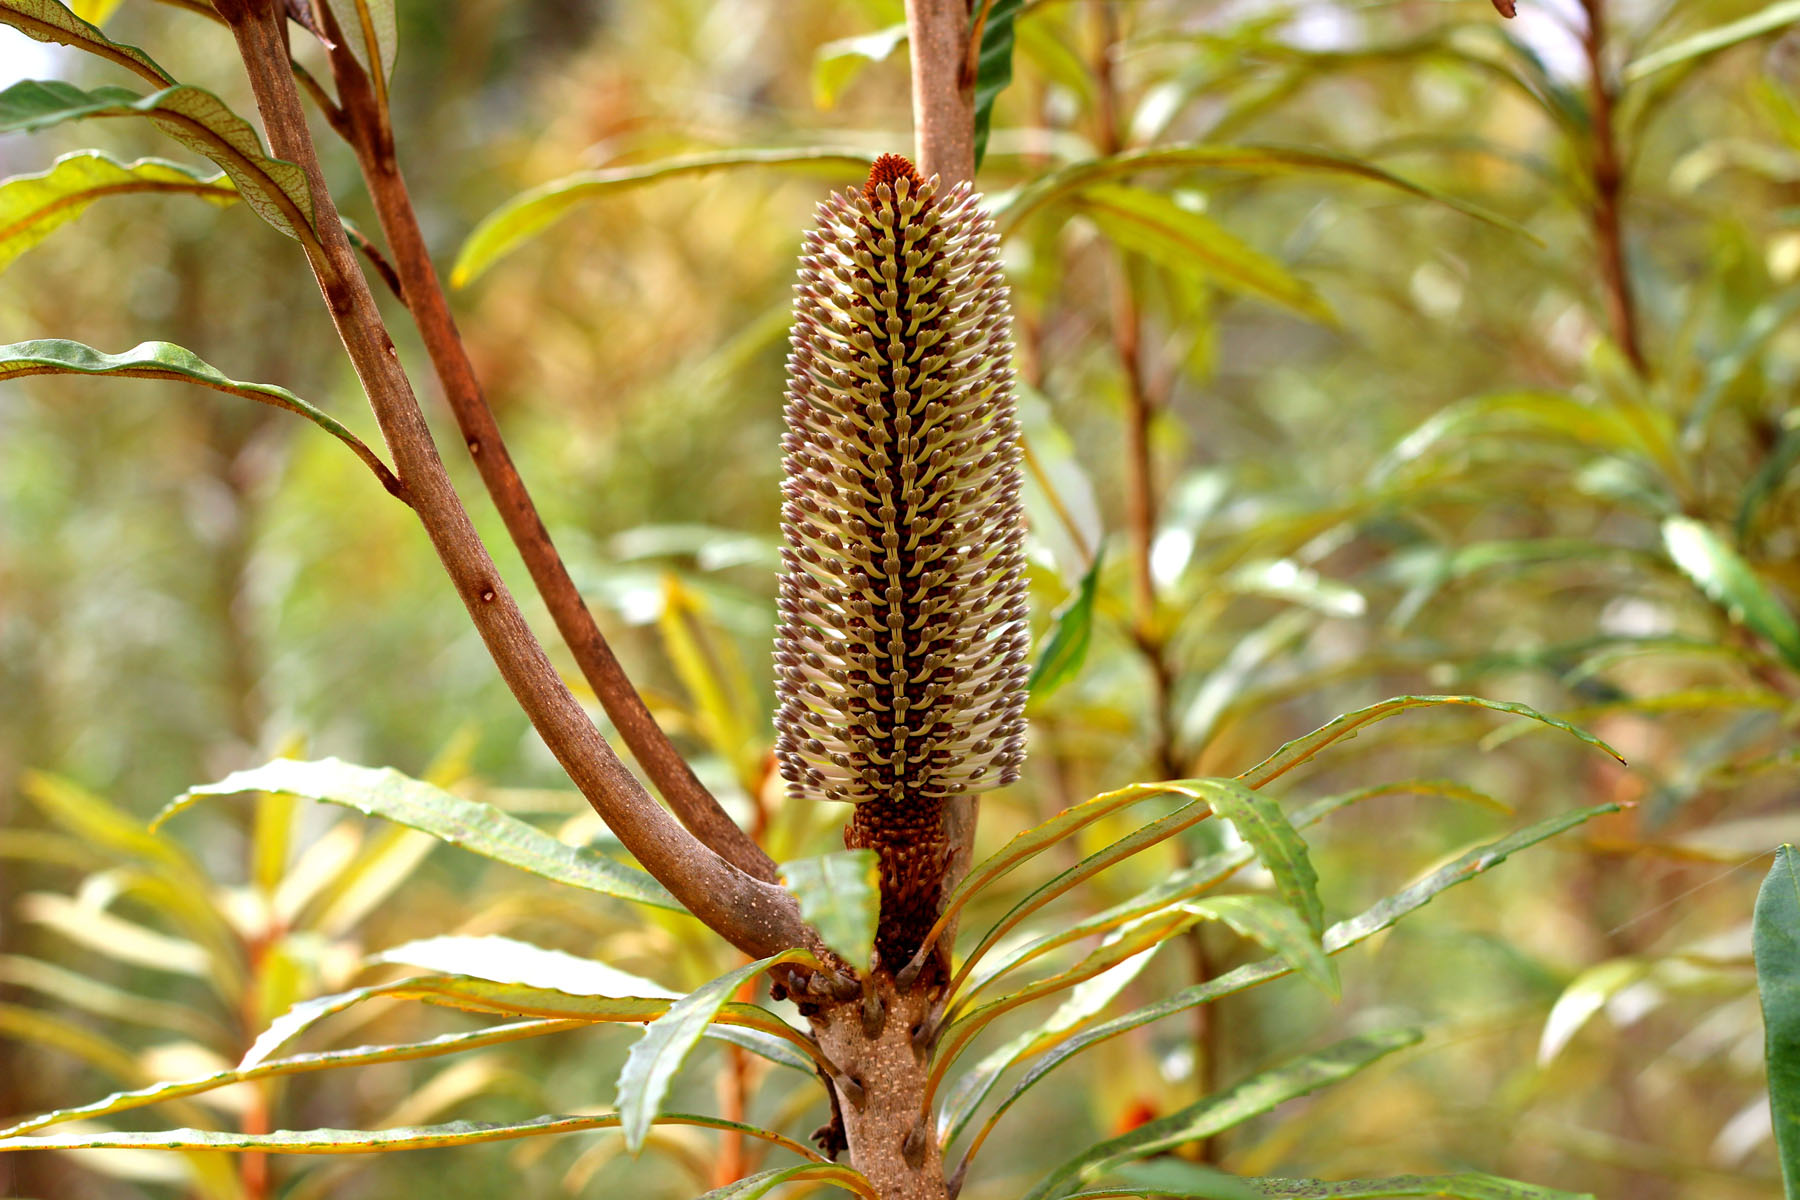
pixel 1309 440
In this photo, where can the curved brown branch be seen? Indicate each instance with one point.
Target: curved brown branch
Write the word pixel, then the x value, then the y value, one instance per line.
pixel 757 917
pixel 367 129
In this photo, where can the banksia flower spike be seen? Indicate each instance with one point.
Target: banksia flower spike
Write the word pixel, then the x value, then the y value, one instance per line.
pixel 900 659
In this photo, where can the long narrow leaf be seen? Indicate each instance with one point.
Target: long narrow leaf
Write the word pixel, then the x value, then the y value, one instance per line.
pixel 1765 20
pixel 1302 749
pixel 163 360
pixel 530 213
pixel 477 827
pixel 1775 933
pixel 360 1141
pixel 764 1182
pixel 993 66
pixel 840 896
pixel 1253 160
pixel 1434 1187
pixel 299 1064
pixel 651 1066
pixel 1215 1114
pixel 1732 584
pixel 1339 937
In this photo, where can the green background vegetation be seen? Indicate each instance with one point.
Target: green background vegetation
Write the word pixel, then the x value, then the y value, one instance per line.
pixel 1394 447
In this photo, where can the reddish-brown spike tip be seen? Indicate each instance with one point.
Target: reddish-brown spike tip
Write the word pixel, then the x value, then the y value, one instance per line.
pixel 888 168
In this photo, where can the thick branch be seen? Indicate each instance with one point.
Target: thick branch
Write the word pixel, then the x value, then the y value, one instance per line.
pixel 943 102
pixel 756 917
pixel 370 135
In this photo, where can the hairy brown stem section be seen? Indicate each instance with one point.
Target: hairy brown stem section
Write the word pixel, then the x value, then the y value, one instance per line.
pixel 1608 182
pixel 886 1124
pixel 370 135
pixel 755 916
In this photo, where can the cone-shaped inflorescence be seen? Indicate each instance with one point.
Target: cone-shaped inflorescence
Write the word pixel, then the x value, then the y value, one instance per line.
pixel 900 659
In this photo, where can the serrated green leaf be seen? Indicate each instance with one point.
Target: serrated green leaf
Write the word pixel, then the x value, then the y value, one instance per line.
pixel 49 21
pixel 1765 20
pixel 33 206
pixel 838 62
pixel 651 1066
pixel 359 1141
pixel 763 1182
pixel 530 213
pixel 1279 847
pixel 840 896
pixel 1215 1114
pixel 1248 159
pixel 476 827
pixel 1152 224
pixel 1379 916
pixel 1732 584
pixel 1071 632
pixel 1775 938
pixel 164 360
pixel 507 960
pixel 993 67
pixel 276 190
pixel 1303 749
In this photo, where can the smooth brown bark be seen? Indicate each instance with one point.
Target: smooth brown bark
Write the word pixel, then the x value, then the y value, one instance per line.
pixel 367 129
pixel 943 101
pixel 753 915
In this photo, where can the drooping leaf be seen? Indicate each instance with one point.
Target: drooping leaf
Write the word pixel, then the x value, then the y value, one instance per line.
pixel 1549 415
pixel 164 360
pixel 651 1066
pixel 1586 995
pixel 477 827
pixel 1379 916
pixel 1303 749
pixel 763 1182
pixel 840 896
pixel 374 35
pixel 838 62
pixel 360 1141
pixel 199 120
pixel 450 1043
pixel 993 65
pixel 1152 224
pixel 49 21
pixel 1775 937
pixel 507 960
pixel 91 995
pixel 754 1028
pixel 530 213
pixel 1250 159
pixel 1071 631
pixel 1732 584
pixel 1227 1109
pixel 32 206
pixel 1437 1187
pixel 1765 20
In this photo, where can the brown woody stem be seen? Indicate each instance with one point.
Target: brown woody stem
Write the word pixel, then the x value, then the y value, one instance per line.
pixel 1608 182
pixel 370 135
pixel 755 916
